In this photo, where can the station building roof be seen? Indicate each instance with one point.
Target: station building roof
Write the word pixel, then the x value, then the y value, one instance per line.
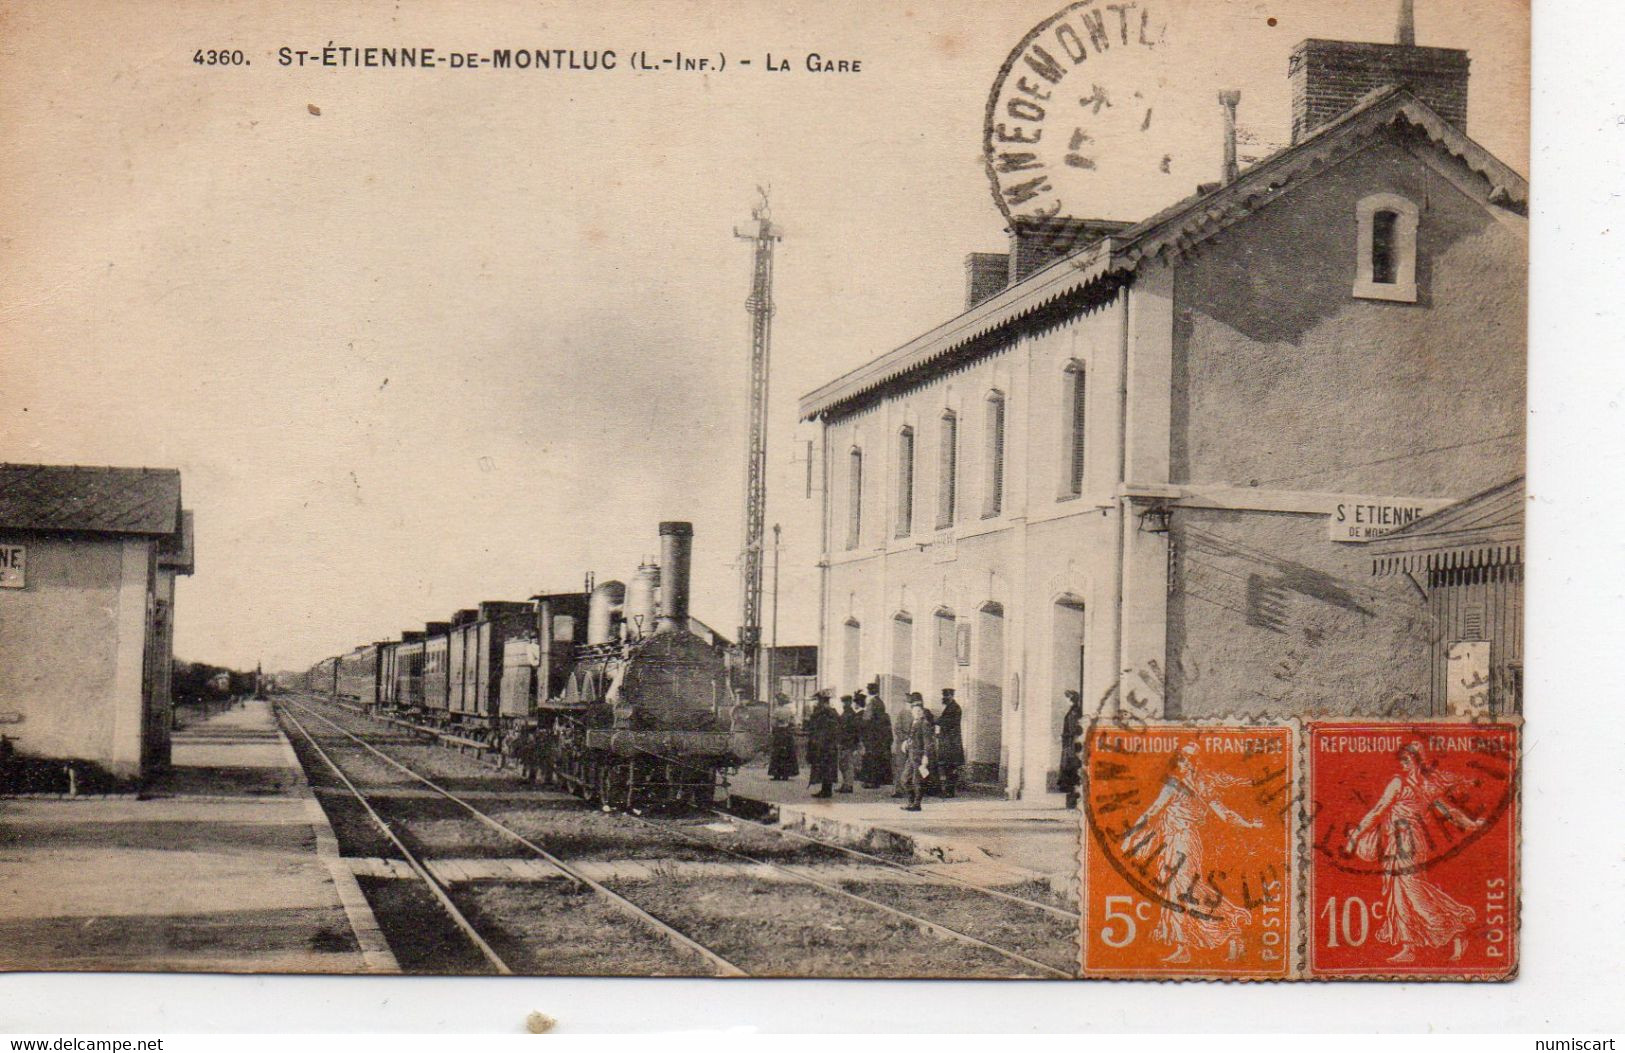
pixel 1111 261
pixel 74 498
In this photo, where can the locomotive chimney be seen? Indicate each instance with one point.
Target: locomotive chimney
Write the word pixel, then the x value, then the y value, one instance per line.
pixel 676 549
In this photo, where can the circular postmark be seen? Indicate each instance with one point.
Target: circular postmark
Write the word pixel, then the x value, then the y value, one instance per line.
pixel 1194 818
pixel 1405 798
pixel 1078 119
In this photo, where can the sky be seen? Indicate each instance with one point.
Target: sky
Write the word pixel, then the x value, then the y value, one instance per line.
pixel 417 339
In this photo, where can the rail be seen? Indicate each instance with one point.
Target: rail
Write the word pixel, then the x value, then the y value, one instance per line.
pixel 721 964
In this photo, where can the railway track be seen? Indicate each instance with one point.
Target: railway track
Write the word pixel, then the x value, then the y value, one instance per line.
pixel 1009 961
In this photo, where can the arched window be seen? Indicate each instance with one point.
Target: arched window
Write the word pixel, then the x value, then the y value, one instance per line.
pixel 1386 256
pixel 993 488
pixel 1074 425
pixel 905 482
pixel 948 470
pixel 854 498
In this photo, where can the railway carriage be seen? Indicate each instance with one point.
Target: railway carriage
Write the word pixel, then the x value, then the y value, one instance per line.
pixel 630 698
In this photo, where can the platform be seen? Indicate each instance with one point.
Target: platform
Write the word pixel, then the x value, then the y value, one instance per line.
pixel 224 864
pixel 1012 841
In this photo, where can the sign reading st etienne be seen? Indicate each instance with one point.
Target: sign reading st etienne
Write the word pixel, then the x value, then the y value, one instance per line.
pixel 1084 116
pixel 1368 518
pixel 13 564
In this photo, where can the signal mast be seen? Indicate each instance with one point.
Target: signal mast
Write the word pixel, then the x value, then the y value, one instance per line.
pixel 760 306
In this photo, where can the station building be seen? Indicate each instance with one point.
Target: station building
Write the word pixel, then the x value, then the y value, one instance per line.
pixel 1149 459
pixel 88 563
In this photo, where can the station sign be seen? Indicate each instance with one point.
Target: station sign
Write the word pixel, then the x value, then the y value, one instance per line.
pixel 13 566
pixel 1368 518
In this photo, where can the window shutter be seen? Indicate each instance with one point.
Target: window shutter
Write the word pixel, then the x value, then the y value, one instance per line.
pixel 995 454
pixel 905 482
pixel 947 497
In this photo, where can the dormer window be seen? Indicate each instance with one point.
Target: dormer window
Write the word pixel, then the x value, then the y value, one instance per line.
pixel 1386 259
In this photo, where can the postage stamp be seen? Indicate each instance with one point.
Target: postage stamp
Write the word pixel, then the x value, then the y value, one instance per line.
pixel 1188 851
pixel 1412 859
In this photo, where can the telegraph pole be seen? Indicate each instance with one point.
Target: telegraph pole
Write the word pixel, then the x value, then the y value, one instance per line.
pixel 760 306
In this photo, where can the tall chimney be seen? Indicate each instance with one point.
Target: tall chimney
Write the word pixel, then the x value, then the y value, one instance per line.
pixel 676 551
pixel 1330 77
pixel 1230 100
pixel 1406 33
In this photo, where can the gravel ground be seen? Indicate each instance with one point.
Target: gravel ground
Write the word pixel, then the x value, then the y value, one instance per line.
pixel 777 930
pixel 767 927
pixel 554 930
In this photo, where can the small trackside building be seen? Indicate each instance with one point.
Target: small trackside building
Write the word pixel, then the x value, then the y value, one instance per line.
pixel 88 562
pixel 1151 467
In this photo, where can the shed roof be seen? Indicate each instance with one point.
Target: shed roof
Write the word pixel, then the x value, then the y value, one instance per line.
pixel 96 500
pixel 1484 530
pixel 1113 260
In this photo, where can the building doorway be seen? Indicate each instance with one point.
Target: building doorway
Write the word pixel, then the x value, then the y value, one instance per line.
pixel 944 655
pixel 984 725
pixel 851 656
pixel 902 662
pixel 1067 675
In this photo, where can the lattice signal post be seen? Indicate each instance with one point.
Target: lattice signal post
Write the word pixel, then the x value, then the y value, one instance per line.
pixel 760 306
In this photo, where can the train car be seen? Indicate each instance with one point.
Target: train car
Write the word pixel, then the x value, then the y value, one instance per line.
pixel 460 670
pixel 356 676
pixel 647 714
pixel 409 672
pixel 386 673
pixel 436 674
pixel 322 678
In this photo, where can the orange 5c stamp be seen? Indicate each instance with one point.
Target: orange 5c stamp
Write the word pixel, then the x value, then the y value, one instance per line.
pixel 1187 854
pixel 1413 854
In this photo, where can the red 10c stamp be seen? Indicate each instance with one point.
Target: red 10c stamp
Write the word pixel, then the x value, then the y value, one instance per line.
pixel 1413 852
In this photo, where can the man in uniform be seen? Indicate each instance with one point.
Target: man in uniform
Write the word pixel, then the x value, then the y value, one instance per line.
pixel 902 721
pixel 851 740
pixel 823 744
pixel 916 753
pixel 1071 776
pixel 950 743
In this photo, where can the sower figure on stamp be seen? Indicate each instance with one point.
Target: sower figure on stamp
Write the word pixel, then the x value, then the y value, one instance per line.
pixel 782 764
pixel 823 744
pixel 916 753
pixel 851 740
pixel 1394 832
pixel 876 770
pixel 1167 840
pixel 950 743
pixel 1071 777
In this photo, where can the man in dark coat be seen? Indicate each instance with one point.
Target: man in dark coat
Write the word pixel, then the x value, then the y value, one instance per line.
pixel 851 741
pixel 950 743
pixel 1071 776
pixel 823 745
pixel 916 754
pixel 876 770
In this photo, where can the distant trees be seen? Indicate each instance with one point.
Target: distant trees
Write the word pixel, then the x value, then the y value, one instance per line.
pixel 194 683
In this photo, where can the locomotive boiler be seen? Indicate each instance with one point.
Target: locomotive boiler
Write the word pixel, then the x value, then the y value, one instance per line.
pixel 647 714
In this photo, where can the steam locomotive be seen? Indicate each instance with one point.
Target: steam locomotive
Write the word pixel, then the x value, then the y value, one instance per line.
pixel 623 697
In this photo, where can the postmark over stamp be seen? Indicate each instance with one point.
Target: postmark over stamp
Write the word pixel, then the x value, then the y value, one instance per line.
pixel 1412 856
pixel 1187 854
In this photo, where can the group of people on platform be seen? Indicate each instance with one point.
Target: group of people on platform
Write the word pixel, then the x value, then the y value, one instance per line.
pixel 916 751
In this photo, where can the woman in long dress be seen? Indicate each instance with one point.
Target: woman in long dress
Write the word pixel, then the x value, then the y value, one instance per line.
pixel 1393 833
pixel 875 768
pixel 1168 837
pixel 782 763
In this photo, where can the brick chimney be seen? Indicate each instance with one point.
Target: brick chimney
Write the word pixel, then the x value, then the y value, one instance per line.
pixel 1329 76
pixel 1035 243
pixel 986 275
